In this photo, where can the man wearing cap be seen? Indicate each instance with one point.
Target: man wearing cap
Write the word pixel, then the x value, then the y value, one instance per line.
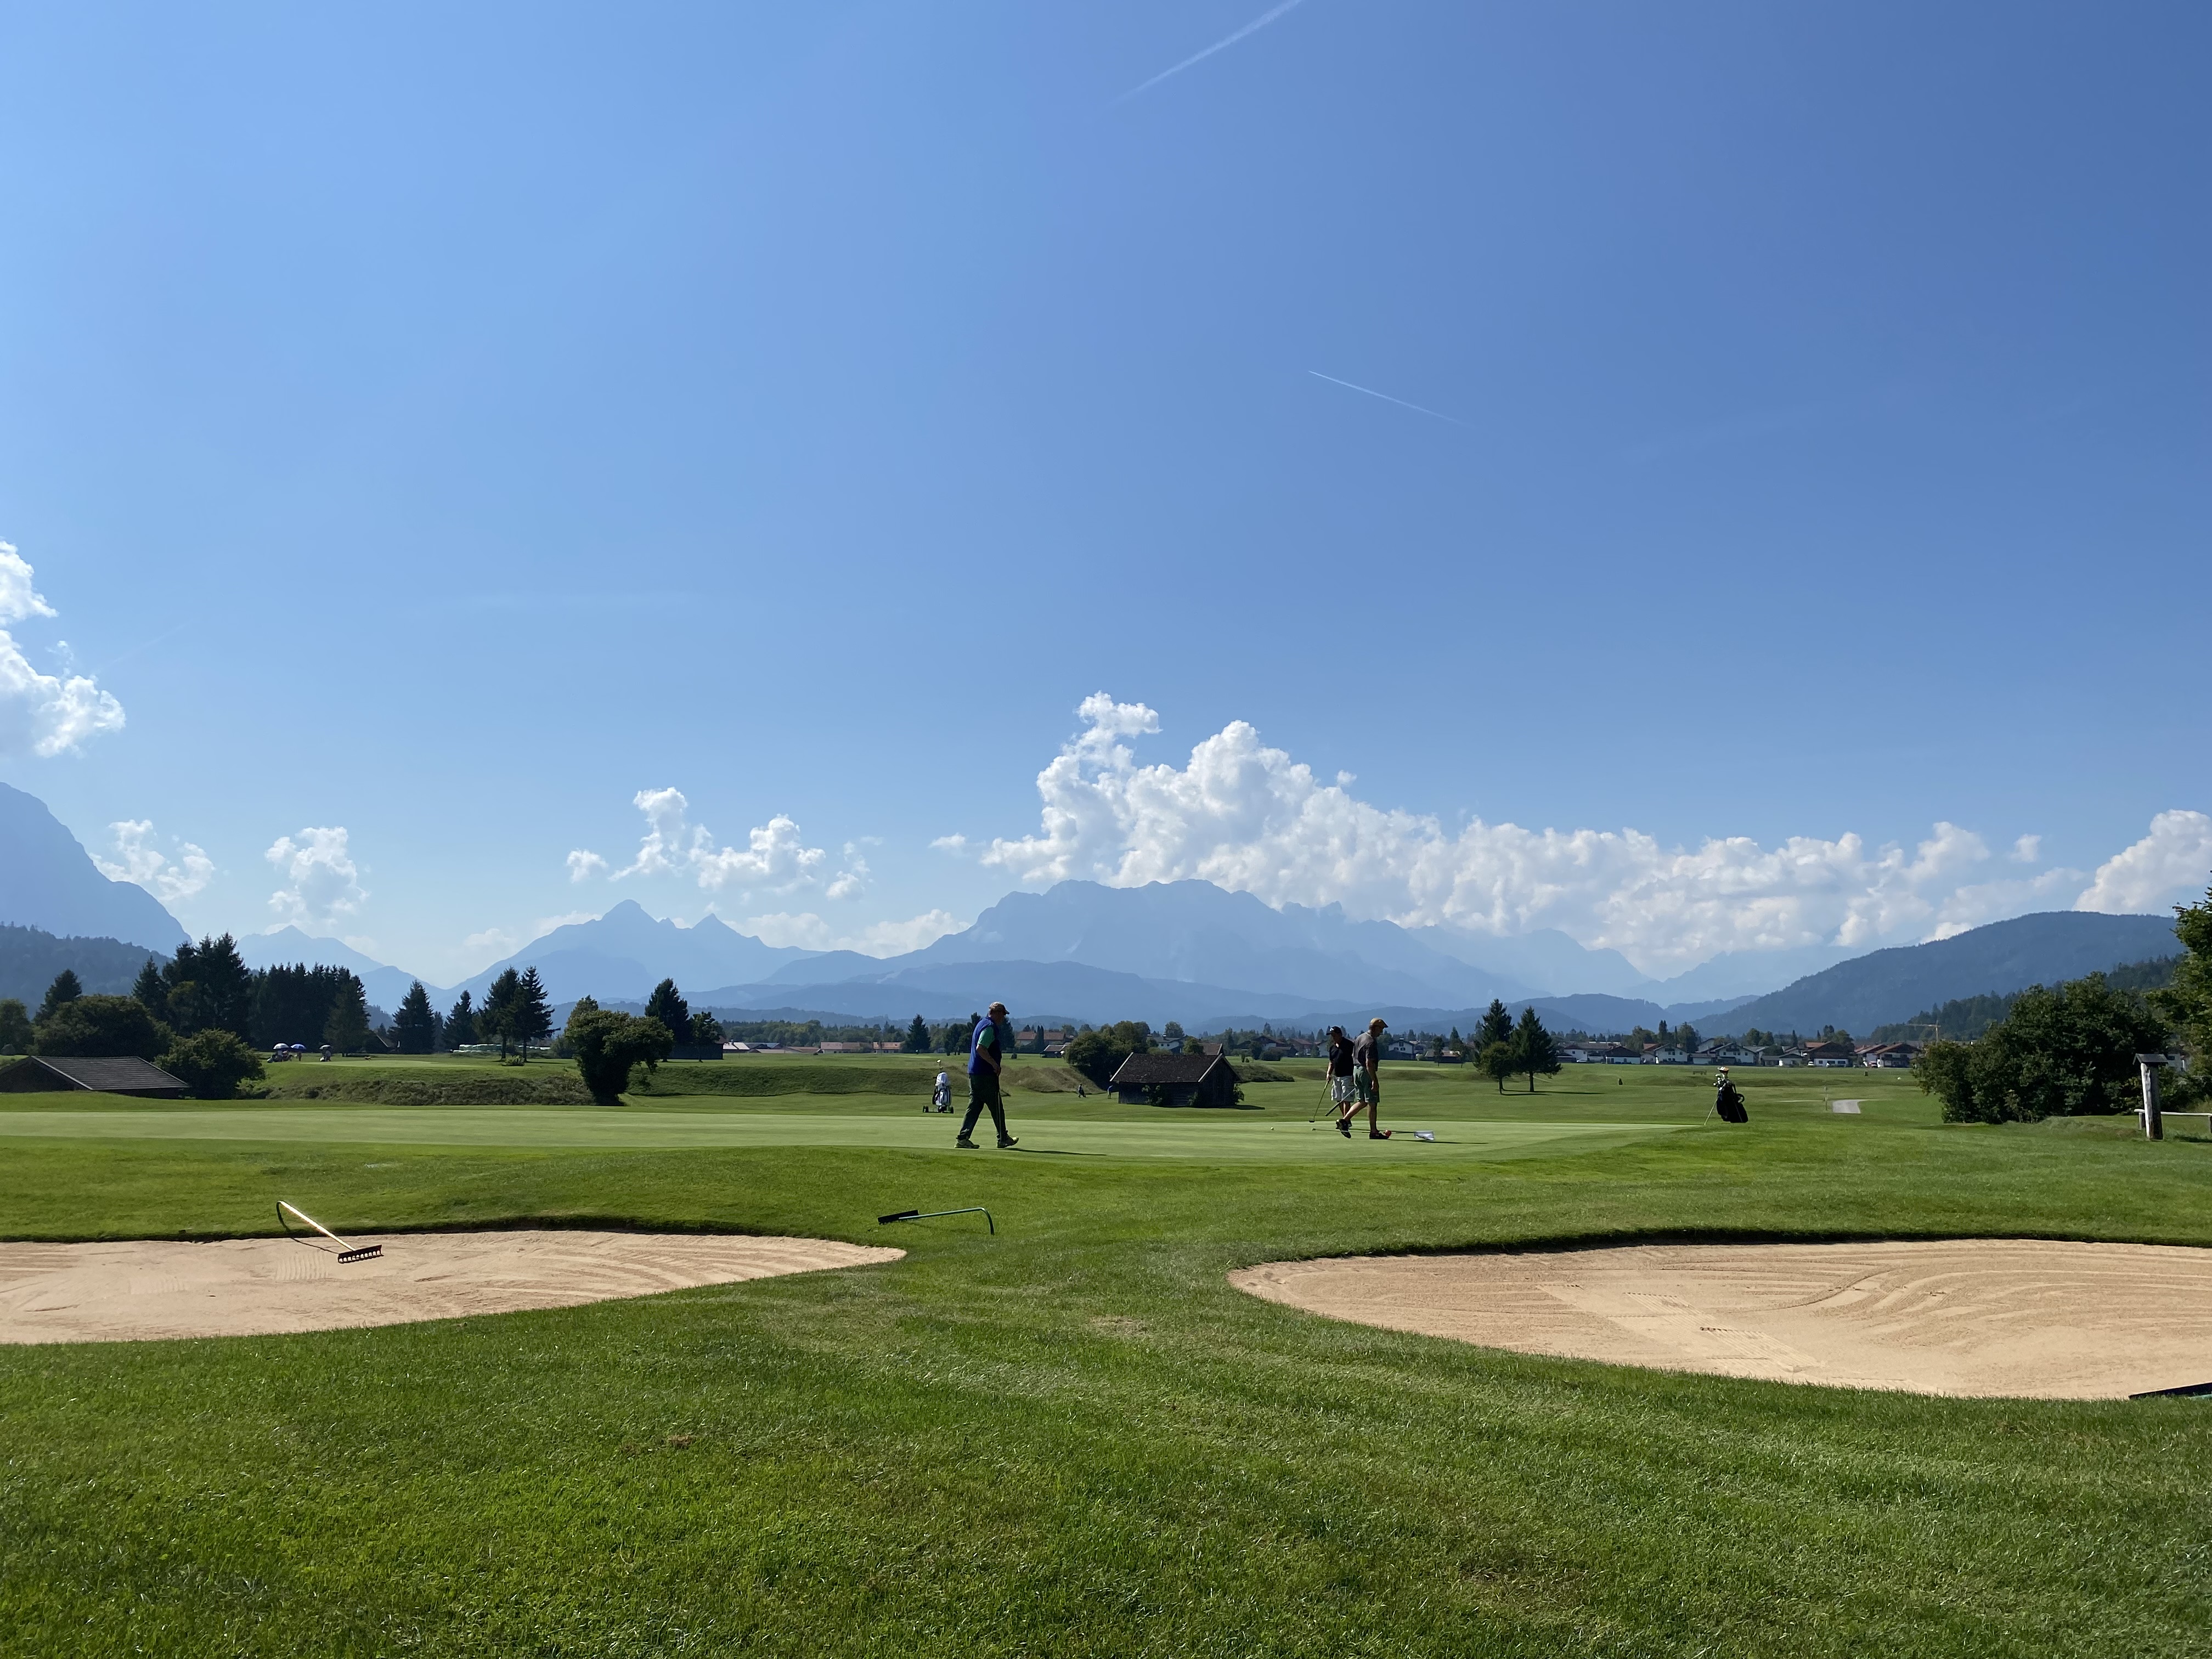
pixel 989 1044
pixel 1367 1079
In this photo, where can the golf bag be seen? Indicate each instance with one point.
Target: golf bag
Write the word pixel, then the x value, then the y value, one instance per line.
pixel 1730 1104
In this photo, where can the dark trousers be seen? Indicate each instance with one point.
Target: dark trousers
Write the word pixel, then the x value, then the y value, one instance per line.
pixel 983 1090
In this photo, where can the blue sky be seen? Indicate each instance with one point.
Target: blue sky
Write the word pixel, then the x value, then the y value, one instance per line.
pixel 447 424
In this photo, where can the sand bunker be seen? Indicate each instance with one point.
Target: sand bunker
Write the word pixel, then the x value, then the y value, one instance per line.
pixel 142 1290
pixel 2019 1317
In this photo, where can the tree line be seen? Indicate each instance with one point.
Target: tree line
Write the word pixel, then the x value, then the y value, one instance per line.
pixel 514 1013
pixel 2070 1049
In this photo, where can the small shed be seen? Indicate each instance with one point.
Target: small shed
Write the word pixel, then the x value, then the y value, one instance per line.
pixel 1180 1080
pixel 106 1074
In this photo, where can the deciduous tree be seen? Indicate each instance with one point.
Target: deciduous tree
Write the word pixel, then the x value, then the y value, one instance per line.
pixel 2186 1001
pixel 609 1045
pixel 2067 1051
pixel 212 1064
pixel 102 1025
pixel 1098 1054
pixel 14 1027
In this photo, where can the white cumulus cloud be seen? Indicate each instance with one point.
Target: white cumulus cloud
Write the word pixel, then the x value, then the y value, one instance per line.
pixel 321 881
pixel 138 859
pixel 583 865
pixel 774 856
pixel 18 598
pixel 2171 863
pixel 1248 817
pixel 882 939
pixel 42 715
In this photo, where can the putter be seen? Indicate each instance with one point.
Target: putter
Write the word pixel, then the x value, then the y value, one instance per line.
pixel 347 1250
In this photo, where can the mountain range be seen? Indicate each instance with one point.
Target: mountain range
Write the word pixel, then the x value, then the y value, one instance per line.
pixel 1895 984
pixel 48 881
pixel 1185 951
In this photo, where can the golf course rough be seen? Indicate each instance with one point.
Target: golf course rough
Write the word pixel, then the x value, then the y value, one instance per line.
pixel 1075 1437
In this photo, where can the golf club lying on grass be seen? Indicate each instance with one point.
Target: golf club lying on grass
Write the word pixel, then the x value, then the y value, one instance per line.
pixel 926 1215
pixel 347 1251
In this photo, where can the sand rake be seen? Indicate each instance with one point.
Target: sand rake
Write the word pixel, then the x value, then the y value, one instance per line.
pixel 348 1251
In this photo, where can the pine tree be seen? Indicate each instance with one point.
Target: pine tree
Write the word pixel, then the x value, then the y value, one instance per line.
pixel 533 1013
pixel 496 1018
pixel 210 990
pixel 66 988
pixel 346 1030
pixel 226 987
pixel 461 1023
pixel 1497 1026
pixel 1534 1051
pixel 667 1006
pixel 917 1036
pixel 150 989
pixel 416 1024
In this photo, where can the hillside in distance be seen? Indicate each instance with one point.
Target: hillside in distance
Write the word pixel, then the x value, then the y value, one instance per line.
pixel 1885 987
pixel 48 881
pixel 30 957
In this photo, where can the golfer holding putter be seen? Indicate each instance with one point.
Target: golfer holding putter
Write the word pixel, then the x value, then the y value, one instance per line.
pixel 1339 1079
pixel 989 1044
pixel 1367 1079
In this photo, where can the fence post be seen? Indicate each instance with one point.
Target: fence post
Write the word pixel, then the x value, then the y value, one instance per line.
pixel 2154 1124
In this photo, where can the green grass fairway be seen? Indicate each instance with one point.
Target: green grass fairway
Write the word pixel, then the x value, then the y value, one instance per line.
pixel 1222 1137
pixel 1072 1437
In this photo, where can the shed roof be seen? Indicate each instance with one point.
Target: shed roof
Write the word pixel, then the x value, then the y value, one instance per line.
pixel 1140 1069
pixel 116 1075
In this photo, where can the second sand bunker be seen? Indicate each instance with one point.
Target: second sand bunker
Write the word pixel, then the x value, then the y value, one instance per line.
pixel 2019 1317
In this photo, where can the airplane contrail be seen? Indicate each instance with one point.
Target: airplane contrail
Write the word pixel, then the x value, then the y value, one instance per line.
pixel 1252 27
pixel 1387 397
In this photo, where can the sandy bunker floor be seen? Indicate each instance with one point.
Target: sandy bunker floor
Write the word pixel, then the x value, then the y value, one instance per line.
pixel 254 1287
pixel 2019 1317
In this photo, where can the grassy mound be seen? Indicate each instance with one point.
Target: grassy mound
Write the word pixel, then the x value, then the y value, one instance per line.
pixel 784 1077
pixel 551 1087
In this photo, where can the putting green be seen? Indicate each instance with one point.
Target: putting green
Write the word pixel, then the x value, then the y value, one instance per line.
pixel 1240 1140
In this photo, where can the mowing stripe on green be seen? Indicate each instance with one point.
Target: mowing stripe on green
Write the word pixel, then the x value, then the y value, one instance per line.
pixel 1240 1141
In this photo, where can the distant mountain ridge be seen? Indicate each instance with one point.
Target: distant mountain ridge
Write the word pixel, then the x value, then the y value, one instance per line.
pixel 1195 953
pixel 1884 986
pixel 31 957
pixel 623 954
pixel 48 881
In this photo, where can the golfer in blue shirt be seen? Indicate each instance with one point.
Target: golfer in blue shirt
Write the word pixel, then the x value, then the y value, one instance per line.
pixel 988 1045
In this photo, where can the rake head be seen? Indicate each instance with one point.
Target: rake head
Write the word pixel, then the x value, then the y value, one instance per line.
pixel 362 1255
